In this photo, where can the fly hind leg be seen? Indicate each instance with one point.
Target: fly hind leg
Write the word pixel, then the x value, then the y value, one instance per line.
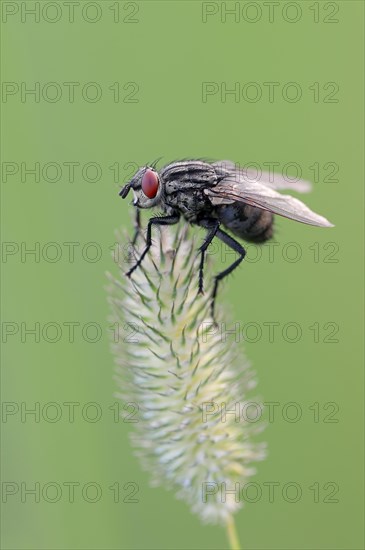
pixel 229 241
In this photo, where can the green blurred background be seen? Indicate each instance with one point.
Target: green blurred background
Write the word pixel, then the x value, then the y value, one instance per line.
pixel 160 54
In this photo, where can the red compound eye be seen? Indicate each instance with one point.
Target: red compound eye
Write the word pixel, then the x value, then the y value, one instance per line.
pixel 150 184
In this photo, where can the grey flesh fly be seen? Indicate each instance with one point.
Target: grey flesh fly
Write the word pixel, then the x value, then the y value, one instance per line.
pixel 216 194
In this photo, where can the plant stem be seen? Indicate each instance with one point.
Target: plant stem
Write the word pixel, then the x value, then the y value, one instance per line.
pixel 234 542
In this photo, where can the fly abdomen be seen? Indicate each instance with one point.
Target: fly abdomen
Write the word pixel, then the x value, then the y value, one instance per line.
pixel 247 222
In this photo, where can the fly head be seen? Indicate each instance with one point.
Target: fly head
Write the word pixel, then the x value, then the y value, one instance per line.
pixel 146 186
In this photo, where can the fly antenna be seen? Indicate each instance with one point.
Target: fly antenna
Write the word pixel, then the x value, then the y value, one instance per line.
pixel 124 191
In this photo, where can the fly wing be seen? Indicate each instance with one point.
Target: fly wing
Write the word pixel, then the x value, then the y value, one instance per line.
pixel 277 181
pixel 232 188
pixel 270 179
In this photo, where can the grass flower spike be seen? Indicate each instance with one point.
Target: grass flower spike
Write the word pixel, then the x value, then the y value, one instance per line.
pixel 184 378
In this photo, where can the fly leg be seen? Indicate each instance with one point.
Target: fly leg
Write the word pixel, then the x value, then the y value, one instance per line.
pixel 137 226
pixel 212 226
pixel 229 241
pixel 158 220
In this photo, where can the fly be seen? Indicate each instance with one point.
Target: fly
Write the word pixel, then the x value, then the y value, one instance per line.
pixel 215 194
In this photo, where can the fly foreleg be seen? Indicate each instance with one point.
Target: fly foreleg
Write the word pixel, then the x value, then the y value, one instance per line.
pixel 212 226
pixel 158 220
pixel 137 226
